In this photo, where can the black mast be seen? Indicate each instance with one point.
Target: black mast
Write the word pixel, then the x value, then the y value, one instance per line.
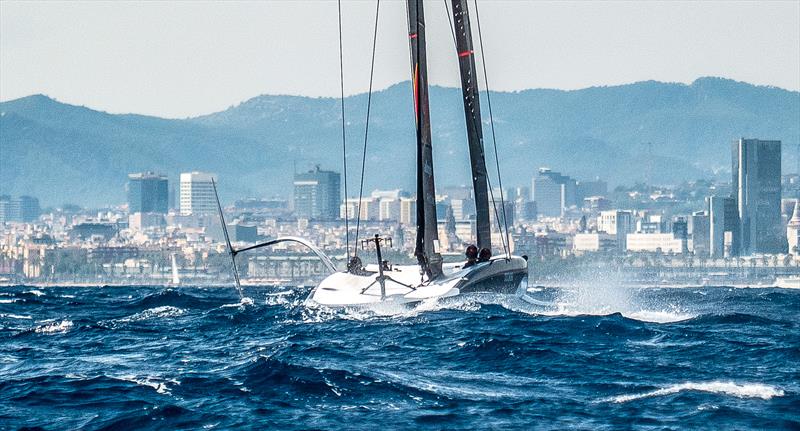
pixel 427 249
pixel 472 111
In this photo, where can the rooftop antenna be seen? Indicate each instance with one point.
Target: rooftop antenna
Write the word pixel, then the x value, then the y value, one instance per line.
pixel 231 251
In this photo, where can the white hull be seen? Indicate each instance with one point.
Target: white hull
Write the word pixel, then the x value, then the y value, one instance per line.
pixel 404 285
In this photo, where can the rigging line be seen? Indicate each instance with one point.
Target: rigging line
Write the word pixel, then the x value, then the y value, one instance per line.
pixel 366 126
pixel 344 139
pixel 503 239
pixel 491 122
pixel 450 21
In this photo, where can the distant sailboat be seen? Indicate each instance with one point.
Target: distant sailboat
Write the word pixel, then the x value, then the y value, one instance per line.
pixel 383 282
pixel 176 279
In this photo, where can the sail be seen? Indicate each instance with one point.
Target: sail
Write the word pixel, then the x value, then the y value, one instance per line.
pixel 472 112
pixel 176 279
pixel 427 247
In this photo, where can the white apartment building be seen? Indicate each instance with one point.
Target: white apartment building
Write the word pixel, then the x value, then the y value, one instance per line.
pixel 655 242
pixel 197 194
pixel 596 241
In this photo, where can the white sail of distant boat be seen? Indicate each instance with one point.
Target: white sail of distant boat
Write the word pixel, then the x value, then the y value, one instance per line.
pixel 176 279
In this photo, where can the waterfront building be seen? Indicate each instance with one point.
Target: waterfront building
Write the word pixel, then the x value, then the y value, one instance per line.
pixel 723 221
pixel 197 194
pixel 617 223
pixel 756 167
pixel 699 232
pixel 317 194
pixel 594 242
pixel 655 243
pixel 552 192
pixel 147 193
pixel 793 230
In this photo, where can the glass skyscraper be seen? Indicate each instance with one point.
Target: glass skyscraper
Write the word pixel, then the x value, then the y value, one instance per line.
pixel 148 193
pixel 756 168
pixel 317 194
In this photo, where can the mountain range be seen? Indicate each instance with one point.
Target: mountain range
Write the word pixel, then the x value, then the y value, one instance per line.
pixel 662 132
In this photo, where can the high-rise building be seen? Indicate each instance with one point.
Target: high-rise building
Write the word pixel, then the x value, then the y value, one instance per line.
pixel 463 209
pixel 317 194
pixel 617 223
pixel 756 167
pixel 699 230
pixel 197 194
pixel 370 209
pixel 24 209
pixel 723 218
pixel 29 209
pixel 552 192
pixel 147 193
pixel 408 211
pixel 793 230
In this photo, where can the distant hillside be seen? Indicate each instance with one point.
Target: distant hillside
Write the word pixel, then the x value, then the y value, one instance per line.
pixel 64 153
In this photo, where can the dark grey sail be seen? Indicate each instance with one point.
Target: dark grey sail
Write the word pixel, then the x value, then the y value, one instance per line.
pixel 472 112
pixel 427 233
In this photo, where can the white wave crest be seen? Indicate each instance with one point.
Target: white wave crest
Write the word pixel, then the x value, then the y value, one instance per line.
pixel 601 297
pixel 750 390
pixel 8 301
pixel 35 292
pixel 163 312
pixel 53 327
pixel 15 316
pixel 159 385
pixel 658 316
pixel 316 313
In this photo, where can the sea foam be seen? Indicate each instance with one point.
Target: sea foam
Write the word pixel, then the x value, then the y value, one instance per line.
pixel 53 327
pixel 749 390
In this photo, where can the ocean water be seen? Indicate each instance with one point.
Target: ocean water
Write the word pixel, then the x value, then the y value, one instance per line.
pixel 592 356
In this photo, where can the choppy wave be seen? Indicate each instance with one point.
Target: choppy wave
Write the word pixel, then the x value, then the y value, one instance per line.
pixel 15 316
pixel 54 327
pixel 753 390
pixel 161 312
pixel 194 358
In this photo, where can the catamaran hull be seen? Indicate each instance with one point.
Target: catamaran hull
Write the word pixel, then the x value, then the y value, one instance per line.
pixel 403 284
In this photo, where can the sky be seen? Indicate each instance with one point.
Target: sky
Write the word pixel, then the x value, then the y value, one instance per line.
pixel 180 59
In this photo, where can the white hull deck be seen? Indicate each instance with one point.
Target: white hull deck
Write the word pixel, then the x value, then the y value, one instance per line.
pixel 404 284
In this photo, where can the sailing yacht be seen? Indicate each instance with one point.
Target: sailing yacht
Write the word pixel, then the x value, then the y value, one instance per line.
pixel 383 282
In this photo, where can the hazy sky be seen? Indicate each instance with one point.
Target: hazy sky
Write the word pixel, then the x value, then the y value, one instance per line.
pixel 180 59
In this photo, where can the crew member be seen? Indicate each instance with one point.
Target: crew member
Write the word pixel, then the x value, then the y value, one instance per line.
pixel 484 255
pixel 472 255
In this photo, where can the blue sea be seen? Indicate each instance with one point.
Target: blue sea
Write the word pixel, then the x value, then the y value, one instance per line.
pixel 594 356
